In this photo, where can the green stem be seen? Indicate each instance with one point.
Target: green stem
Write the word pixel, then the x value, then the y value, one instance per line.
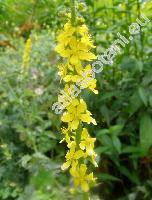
pixel 78 135
pixel 73 14
pixel 86 196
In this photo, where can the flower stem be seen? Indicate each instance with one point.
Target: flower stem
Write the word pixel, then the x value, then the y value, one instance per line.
pixel 86 196
pixel 78 135
pixel 73 14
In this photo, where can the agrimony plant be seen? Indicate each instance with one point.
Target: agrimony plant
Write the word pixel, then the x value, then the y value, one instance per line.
pixel 74 46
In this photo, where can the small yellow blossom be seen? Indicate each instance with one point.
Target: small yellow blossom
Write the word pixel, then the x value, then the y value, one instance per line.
pixel 87 143
pixel 68 137
pixel 72 156
pixel 76 112
pixel 84 79
pixel 81 177
pixel 71 47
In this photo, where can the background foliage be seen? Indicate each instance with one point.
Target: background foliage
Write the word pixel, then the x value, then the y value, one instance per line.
pixel 30 152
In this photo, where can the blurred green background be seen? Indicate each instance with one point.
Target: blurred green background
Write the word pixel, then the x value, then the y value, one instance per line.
pixel 30 152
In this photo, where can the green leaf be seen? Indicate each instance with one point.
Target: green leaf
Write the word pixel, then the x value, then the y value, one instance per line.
pixel 132 176
pixel 135 103
pixel 106 141
pixel 143 95
pixel 100 150
pixel 105 112
pixel 25 159
pixel 101 132
pixel 145 132
pixel 116 143
pixel 108 177
pixel 150 101
pixel 131 149
pixel 116 129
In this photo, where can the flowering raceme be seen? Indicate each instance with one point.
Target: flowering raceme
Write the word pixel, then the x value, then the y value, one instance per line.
pixel 27 51
pixel 74 46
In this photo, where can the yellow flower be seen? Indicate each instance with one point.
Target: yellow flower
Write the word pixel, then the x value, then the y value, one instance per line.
pixel 79 51
pixel 77 111
pixel 87 143
pixel 66 35
pixel 87 79
pixel 65 97
pixel 60 48
pixel 86 38
pixel 71 47
pixel 81 177
pixel 68 137
pixel 65 69
pixel 84 79
pixel 72 157
pixel 62 70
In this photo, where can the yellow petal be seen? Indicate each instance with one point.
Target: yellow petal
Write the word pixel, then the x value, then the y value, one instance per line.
pixel 74 124
pixel 74 59
pixel 67 78
pixel 83 169
pixel 66 117
pixel 66 165
pixel 82 145
pixel 87 56
pixel 85 186
pixel 86 118
pixel 79 154
pixel 82 107
pixel 90 177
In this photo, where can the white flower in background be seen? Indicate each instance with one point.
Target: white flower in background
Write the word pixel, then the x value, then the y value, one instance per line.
pixel 39 91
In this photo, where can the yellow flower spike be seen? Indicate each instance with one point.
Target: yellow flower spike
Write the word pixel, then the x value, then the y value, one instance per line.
pixel 74 46
pixel 27 51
